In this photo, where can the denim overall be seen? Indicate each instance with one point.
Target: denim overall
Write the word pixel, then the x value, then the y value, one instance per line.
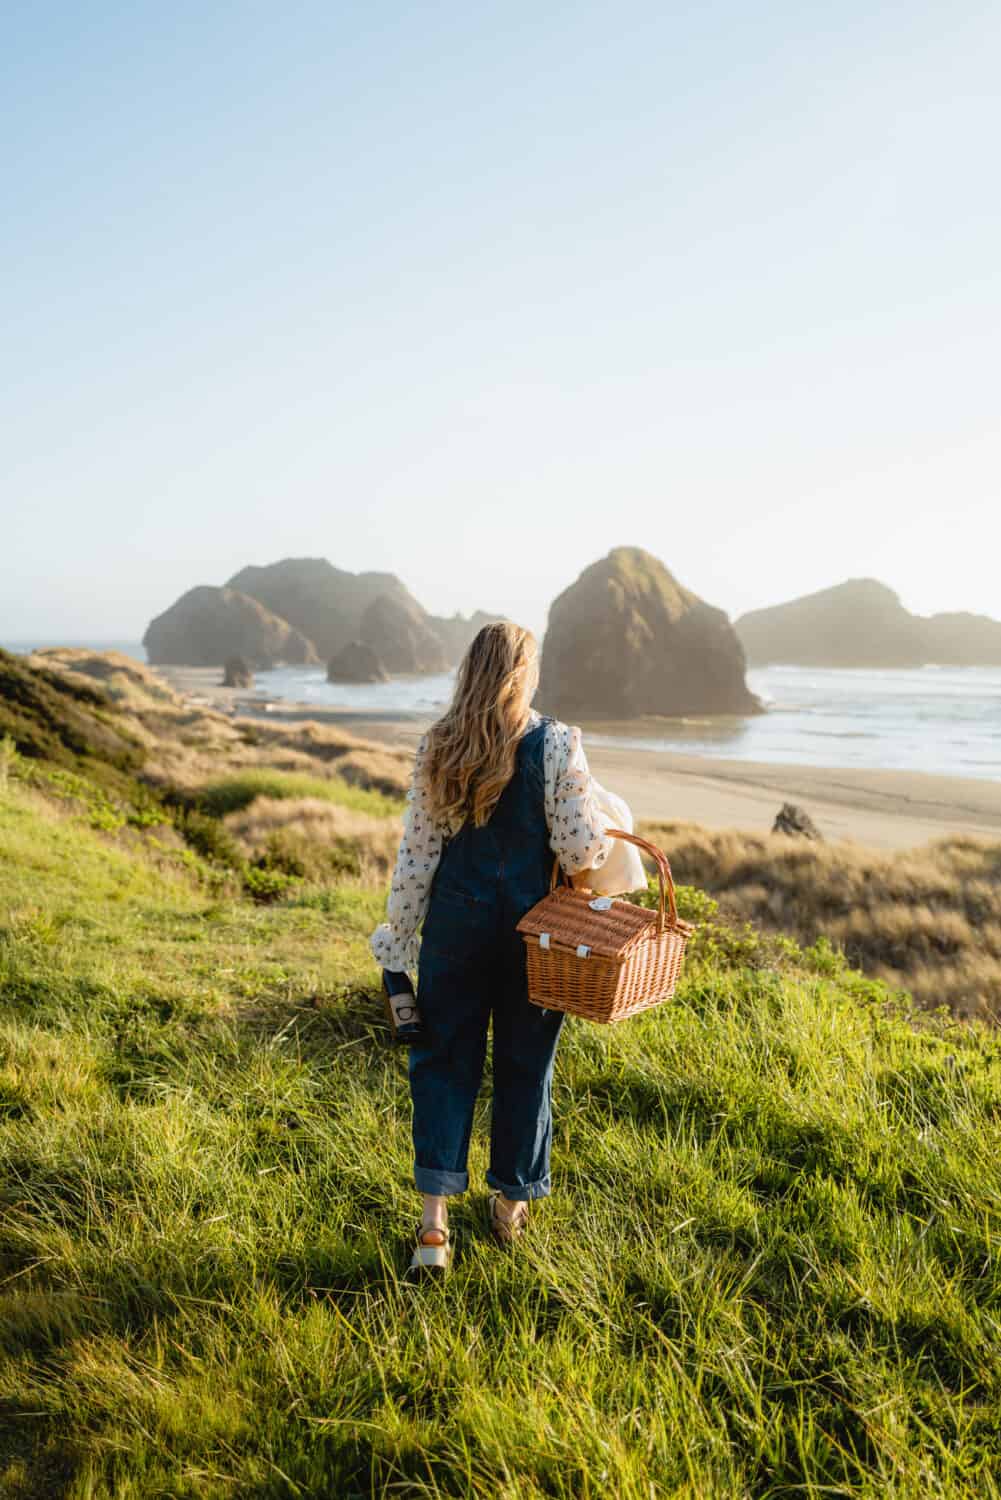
pixel 472 965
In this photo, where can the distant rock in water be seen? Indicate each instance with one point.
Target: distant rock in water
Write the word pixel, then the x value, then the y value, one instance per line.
pixel 325 603
pixel 399 633
pixel 456 632
pixel 208 625
pixel 238 673
pixel 862 623
pixel 627 639
pixel 797 823
pixel 356 662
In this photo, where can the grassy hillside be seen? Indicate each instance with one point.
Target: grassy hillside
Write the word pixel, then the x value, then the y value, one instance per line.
pixel 769 1267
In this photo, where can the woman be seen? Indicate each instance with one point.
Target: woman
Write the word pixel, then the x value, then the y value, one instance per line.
pixel 496 791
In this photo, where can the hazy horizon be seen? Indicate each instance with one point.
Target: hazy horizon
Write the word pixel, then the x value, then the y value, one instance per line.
pixel 90 637
pixel 474 296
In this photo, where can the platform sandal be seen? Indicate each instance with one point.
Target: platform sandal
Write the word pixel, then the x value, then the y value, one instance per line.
pixel 430 1257
pixel 507 1231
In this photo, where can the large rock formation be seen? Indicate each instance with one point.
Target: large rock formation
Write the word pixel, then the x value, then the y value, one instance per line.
pixel 208 625
pixel 626 639
pixel 399 633
pixel 963 640
pixel 324 602
pixel 456 632
pixel 323 608
pixel 356 662
pixel 862 623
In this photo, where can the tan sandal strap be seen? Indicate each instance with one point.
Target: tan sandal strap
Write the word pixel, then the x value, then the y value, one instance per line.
pixel 505 1221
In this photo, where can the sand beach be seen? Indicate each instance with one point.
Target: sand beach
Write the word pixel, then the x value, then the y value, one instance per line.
pixel 889 809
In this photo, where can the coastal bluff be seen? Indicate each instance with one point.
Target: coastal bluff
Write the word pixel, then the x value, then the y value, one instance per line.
pixel 628 640
pixel 862 623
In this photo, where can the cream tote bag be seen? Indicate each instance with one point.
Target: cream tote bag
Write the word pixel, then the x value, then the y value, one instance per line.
pixel 623 869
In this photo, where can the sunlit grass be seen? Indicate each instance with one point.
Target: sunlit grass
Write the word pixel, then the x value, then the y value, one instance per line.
pixel 768 1267
pixel 233 793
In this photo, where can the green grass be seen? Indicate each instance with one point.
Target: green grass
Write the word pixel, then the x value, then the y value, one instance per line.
pixel 234 793
pixel 768 1269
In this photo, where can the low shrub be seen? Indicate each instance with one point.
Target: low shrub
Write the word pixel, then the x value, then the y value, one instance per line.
pixel 264 884
pixel 209 838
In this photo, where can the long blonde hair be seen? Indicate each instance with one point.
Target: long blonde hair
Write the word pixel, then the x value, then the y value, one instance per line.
pixel 470 752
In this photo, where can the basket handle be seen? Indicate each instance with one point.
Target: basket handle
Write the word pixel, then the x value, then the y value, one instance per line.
pixel 667 898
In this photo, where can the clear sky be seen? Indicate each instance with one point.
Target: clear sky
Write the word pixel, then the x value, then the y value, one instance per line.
pixel 475 292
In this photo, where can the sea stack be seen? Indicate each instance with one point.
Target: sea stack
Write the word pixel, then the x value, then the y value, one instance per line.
pixel 208 625
pixel 356 662
pixel 628 640
pixel 238 673
pixel 326 603
pixel 399 633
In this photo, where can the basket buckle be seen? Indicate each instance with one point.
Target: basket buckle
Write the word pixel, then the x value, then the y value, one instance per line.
pixel 600 903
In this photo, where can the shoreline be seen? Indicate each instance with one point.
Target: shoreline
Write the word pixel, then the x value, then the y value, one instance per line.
pixel 884 809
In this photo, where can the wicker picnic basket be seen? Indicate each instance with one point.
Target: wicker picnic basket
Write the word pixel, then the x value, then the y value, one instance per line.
pixel 600 958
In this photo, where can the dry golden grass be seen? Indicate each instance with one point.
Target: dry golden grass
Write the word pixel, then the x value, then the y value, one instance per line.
pixel 360 762
pixel 315 833
pixel 188 745
pixel 927 920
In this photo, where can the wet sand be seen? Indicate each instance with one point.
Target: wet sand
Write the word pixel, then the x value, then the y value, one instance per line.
pixel 888 809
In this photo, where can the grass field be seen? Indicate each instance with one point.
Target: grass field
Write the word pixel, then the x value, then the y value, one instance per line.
pixel 769 1267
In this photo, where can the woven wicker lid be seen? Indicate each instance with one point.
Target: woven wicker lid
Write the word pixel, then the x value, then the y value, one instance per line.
pixel 570 920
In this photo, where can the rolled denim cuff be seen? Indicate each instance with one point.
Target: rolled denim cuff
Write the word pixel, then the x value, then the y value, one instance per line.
pixel 439 1182
pixel 520 1192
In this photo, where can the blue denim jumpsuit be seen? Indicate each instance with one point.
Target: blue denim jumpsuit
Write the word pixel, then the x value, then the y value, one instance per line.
pixel 472 965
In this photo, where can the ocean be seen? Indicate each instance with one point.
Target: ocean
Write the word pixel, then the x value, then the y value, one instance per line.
pixel 939 719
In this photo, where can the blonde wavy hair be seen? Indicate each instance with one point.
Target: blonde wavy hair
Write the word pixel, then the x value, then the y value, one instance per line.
pixel 470 753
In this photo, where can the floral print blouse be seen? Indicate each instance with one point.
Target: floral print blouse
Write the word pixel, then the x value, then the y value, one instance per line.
pixel 576 834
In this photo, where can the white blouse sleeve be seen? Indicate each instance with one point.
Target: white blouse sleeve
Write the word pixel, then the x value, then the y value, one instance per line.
pixel 576 826
pixel 395 944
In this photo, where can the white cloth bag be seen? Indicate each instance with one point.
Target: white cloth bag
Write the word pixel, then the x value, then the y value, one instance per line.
pixel 623 869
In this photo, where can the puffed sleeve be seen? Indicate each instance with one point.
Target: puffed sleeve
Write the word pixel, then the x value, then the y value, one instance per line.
pixel 576 825
pixel 395 944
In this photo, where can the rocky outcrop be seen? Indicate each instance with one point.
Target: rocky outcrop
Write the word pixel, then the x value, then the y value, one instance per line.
pixel 456 632
pixel 325 603
pixel 208 625
pixel 399 633
pixel 356 662
pixel 796 822
pixel 237 673
pixel 862 623
pixel 323 609
pixel 627 639
pixel 963 640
